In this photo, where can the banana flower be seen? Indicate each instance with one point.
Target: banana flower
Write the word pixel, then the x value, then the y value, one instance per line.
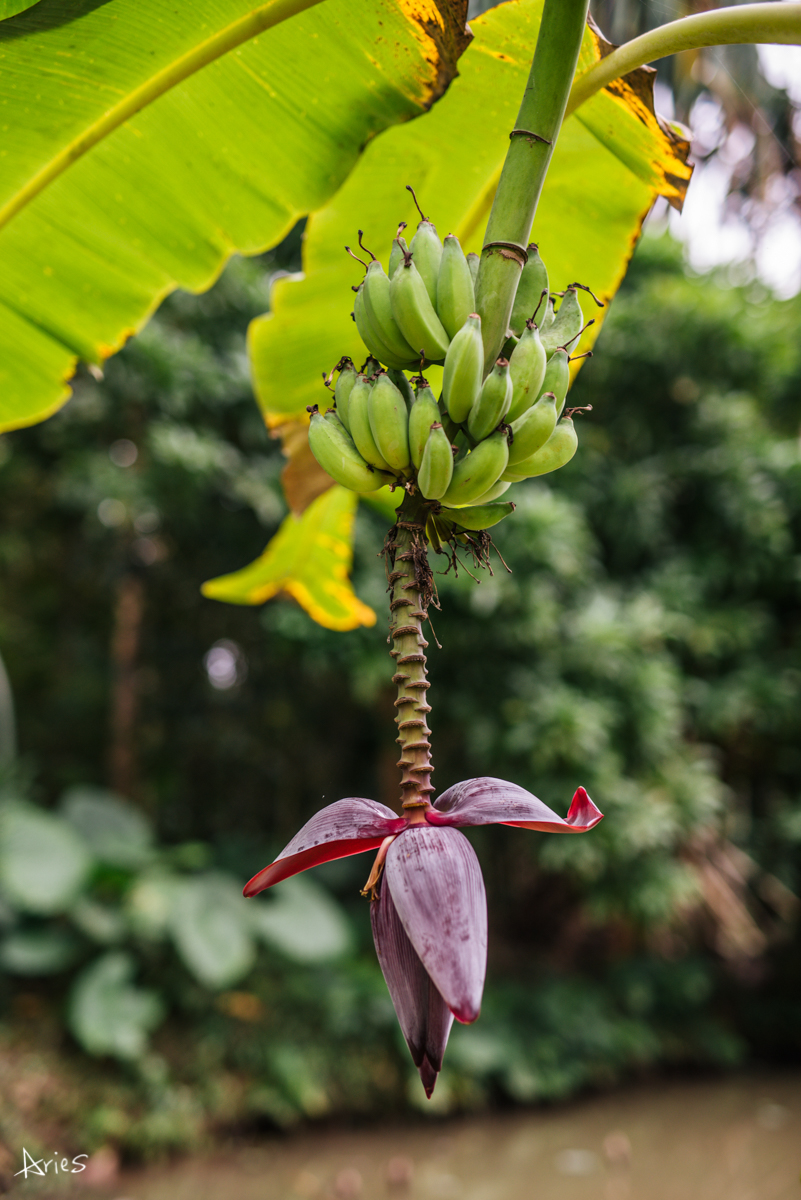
pixel 428 903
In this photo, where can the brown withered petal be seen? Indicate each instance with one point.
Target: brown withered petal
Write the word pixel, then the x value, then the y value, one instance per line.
pixel 347 827
pixel 423 1015
pixel 438 891
pixel 489 801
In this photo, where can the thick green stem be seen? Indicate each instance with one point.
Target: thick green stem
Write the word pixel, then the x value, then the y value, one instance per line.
pixel 409 578
pixel 725 26
pixel 526 166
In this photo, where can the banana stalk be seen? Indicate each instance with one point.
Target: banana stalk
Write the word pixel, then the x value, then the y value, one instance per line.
pixel 409 577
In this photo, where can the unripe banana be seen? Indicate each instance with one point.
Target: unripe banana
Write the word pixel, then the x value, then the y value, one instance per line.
pixel 456 297
pixel 558 450
pixel 566 324
pixel 527 371
pixel 370 336
pixel 464 370
pixel 425 411
pixel 436 468
pixel 557 378
pixel 435 532
pixel 494 492
pixel 427 250
pixel 397 253
pixel 548 318
pixel 533 282
pixel 379 310
pixel 360 430
pixel 493 402
pixel 476 473
pixel 478 516
pixel 473 261
pixel 533 429
pixel 389 422
pixel 343 389
pixel 403 386
pixel 414 312
pixel 335 451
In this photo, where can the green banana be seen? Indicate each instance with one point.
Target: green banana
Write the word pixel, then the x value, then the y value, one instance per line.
pixel 493 493
pixel 493 402
pixel 473 261
pixel 456 297
pixel 478 516
pixel 436 468
pixel 379 310
pixel 557 378
pixel 427 250
pixel 464 370
pixel 414 312
pixel 398 252
pixel 527 371
pixel 403 386
pixel 389 422
pixel 548 317
pixel 343 389
pixel 558 450
pixel 425 411
pixel 566 324
pixel 360 430
pixel 436 532
pixel 370 336
pixel 476 473
pixel 335 451
pixel 533 282
pixel 533 429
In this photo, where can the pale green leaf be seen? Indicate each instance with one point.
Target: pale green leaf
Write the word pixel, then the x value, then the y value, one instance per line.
pixel 302 920
pixel 210 923
pixel 308 559
pixel 37 951
pixel 163 139
pixel 107 1013
pixel 43 861
pixel 116 832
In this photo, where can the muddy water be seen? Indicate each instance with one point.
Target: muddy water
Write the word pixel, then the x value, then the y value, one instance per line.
pixel 724 1140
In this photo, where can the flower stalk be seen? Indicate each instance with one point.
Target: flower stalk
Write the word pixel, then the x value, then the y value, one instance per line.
pixel 411 591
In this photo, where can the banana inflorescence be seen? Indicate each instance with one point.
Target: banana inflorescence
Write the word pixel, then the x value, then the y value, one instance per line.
pixel 494 424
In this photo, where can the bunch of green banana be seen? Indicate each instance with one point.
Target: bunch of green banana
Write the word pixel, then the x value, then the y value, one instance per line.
pixel 493 425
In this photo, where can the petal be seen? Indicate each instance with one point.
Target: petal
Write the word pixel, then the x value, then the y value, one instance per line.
pixel 439 894
pixel 423 1015
pixel 495 802
pixel 346 827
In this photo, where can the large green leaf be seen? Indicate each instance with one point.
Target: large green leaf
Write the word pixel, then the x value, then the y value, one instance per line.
pixel 107 1013
pixel 613 157
pixel 309 559
pixel 143 145
pixel 210 923
pixel 43 862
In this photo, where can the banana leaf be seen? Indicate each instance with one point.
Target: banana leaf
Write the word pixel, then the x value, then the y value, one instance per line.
pixel 143 145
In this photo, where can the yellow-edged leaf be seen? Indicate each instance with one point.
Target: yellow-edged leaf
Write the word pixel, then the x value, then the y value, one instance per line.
pixel 145 143
pixel 309 559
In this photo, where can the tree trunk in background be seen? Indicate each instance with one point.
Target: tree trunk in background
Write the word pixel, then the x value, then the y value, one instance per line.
pixel 128 610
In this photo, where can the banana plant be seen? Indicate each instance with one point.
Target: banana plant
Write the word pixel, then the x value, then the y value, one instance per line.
pixel 92 236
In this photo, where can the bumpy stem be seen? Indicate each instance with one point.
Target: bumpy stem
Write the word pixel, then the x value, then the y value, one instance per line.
pixel 526 166
pixel 409 578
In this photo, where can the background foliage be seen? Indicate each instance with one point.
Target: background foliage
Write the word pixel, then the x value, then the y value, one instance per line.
pixel 668 551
